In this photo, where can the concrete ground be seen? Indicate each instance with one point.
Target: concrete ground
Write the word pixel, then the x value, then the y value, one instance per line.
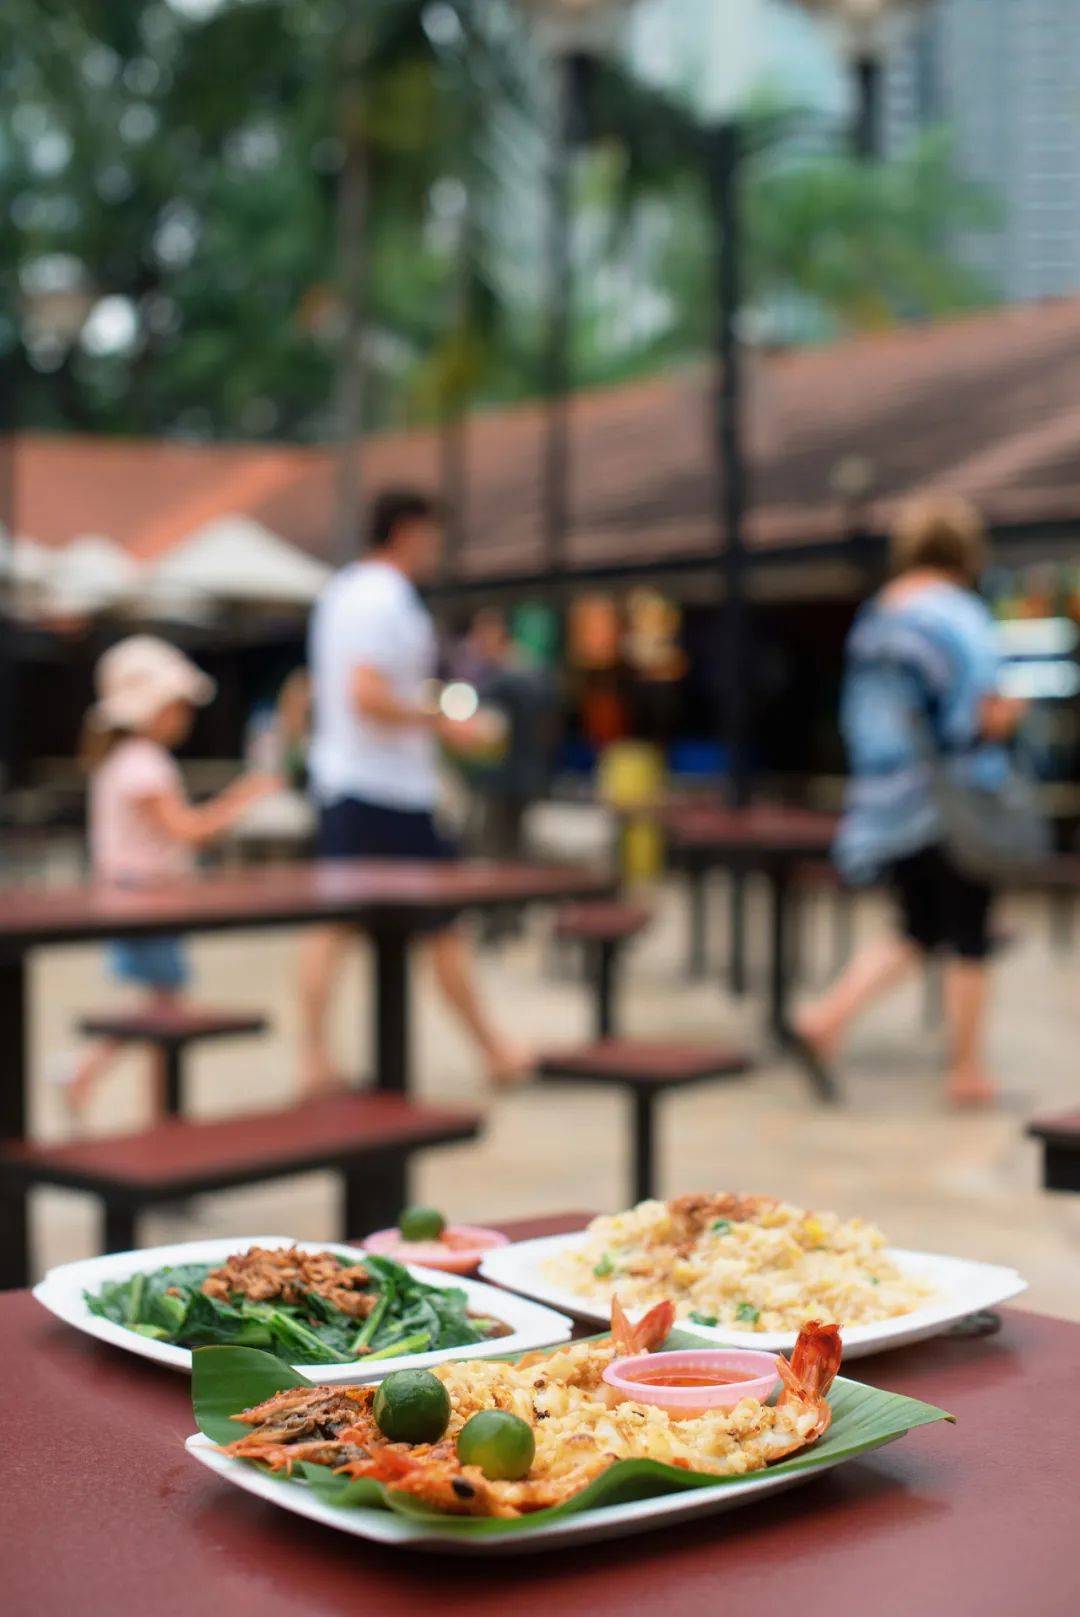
pixel 959 1184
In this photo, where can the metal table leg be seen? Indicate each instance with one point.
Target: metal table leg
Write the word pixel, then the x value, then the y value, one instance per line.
pixel 737 928
pixel 14 1032
pixel 698 915
pixel 373 1196
pixel 604 968
pixel 376 1197
pixel 643 1184
pixel 391 1070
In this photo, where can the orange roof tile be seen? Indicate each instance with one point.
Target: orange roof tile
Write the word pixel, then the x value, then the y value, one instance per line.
pixel 989 403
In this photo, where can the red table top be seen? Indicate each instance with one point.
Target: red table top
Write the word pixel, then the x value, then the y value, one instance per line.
pixel 360 889
pixel 766 828
pixel 103 1512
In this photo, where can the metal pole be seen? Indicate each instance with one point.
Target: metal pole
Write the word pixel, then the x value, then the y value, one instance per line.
pixel 559 282
pixel 352 253
pixel 724 165
pixel 866 131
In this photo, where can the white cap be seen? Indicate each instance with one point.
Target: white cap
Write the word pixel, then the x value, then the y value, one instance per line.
pixel 139 676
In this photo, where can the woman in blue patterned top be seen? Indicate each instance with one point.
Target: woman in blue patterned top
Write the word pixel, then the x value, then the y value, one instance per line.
pixel 921 680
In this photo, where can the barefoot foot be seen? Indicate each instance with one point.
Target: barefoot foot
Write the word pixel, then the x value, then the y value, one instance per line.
pixel 509 1065
pixel 320 1077
pixel 971 1091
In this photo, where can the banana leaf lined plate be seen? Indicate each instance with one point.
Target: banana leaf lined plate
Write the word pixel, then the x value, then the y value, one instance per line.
pixel 632 1496
pixel 63 1289
pixel 961 1287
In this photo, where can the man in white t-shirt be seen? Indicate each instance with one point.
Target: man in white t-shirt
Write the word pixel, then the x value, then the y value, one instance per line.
pixel 373 756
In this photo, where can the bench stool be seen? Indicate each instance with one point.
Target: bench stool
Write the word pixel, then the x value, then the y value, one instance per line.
pixel 367 1138
pixel 172 1031
pixel 1060 1138
pixel 646 1070
pixel 603 930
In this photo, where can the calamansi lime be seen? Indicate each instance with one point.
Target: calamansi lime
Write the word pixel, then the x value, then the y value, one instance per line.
pixel 421 1224
pixel 501 1444
pixel 411 1406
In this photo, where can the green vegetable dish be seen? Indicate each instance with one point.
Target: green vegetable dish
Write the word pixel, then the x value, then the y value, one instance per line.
pixel 307 1307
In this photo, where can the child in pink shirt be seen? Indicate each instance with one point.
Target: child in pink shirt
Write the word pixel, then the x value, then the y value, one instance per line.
pixel 142 828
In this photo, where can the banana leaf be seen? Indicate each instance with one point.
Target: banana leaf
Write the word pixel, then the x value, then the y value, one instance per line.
pixel 226 1380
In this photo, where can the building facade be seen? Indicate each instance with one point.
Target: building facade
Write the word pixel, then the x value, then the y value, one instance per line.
pixel 1004 76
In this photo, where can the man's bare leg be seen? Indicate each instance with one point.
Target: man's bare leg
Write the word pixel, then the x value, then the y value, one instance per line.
pixel 875 969
pixel 967 984
pixel 320 959
pixel 505 1061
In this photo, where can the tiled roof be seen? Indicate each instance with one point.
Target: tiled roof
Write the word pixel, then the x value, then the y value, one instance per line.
pixel 989 404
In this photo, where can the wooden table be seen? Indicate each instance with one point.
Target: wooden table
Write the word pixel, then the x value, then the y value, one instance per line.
pixel 103 1512
pixel 761 837
pixel 389 901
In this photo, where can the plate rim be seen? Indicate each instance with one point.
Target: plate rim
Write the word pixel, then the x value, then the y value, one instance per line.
pixel 547 1327
pixel 589 1526
pixel 1004 1284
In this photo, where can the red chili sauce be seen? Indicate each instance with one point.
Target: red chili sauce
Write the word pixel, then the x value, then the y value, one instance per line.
pixel 658 1376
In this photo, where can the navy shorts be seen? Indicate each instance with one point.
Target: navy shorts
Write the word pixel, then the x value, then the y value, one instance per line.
pixel 354 829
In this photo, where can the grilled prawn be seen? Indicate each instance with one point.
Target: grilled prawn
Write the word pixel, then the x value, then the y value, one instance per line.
pixel 579 1430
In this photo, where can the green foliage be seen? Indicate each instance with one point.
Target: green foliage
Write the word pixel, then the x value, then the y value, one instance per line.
pixel 187 160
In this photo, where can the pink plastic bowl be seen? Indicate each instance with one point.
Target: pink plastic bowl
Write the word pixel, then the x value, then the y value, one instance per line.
pixel 458 1250
pixel 759 1369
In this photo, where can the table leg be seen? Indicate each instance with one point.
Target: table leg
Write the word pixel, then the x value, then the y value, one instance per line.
pixel 391 1011
pixel 373 1196
pixel 14 1034
pixel 698 915
pixel 14 1225
pixel 14 1237
pixel 118 1228
pixel 737 929
pixel 643 1186
pixel 778 961
pixel 604 967
pixel 174 1083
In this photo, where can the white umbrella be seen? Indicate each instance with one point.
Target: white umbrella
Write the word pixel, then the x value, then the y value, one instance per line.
pixel 236 559
pixel 91 574
pixel 26 566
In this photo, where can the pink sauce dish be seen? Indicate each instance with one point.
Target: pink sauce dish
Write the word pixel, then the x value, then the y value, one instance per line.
pixel 693 1381
pixel 458 1249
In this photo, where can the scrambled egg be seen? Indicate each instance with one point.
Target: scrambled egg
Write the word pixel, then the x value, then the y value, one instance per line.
pixel 745 1262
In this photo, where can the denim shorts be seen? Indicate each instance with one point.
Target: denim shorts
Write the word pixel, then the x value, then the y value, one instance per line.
pixel 149 962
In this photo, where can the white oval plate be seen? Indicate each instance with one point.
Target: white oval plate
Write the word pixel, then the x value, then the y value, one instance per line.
pixel 587 1527
pixel 962 1287
pixel 61 1292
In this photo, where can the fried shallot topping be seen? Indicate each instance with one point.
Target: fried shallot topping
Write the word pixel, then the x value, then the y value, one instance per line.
pixel 263 1274
pixel 694 1212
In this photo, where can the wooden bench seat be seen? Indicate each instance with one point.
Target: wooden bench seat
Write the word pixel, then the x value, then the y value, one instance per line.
pixel 1060 1138
pixel 646 1069
pixel 367 1138
pixel 171 1031
pixel 603 928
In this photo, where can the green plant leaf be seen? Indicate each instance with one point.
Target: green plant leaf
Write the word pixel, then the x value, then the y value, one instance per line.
pixel 226 1380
